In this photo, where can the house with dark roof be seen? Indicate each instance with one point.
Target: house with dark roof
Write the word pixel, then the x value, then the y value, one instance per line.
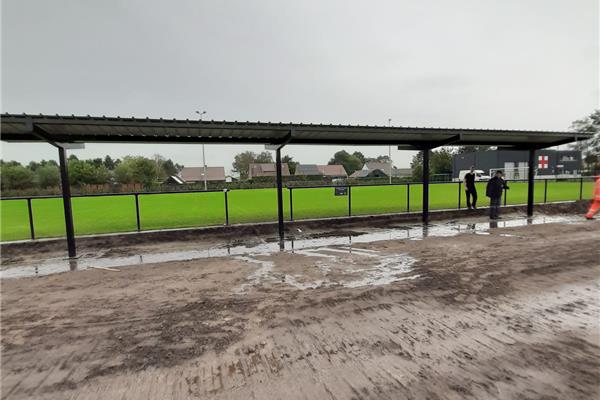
pixel 196 174
pixel 365 173
pixel 382 166
pixel 266 169
pixel 173 180
pixel 308 170
pixel 373 169
pixel 333 171
pixel 381 170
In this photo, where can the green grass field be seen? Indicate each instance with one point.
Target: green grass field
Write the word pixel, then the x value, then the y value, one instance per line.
pixel 117 213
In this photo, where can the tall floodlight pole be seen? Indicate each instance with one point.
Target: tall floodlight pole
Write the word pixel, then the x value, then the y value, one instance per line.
pixel 390 151
pixel 203 154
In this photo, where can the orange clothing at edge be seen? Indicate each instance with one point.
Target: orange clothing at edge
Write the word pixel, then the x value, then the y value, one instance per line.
pixel 595 206
pixel 597 189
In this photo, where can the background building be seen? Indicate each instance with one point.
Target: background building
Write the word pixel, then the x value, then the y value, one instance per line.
pixel 308 170
pixel 374 169
pixel 258 170
pixel 515 162
pixel 196 174
pixel 333 171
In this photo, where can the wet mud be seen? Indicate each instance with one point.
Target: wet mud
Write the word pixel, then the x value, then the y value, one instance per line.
pixel 453 311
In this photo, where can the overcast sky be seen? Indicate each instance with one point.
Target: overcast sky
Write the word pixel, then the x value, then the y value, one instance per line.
pixel 530 64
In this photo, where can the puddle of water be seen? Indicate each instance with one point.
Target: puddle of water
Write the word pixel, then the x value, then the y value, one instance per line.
pixel 410 232
pixel 383 269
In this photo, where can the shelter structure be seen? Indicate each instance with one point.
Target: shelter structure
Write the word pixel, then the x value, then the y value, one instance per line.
pixel 64 132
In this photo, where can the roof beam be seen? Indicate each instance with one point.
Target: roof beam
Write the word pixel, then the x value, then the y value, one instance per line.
pixel 541 146
pixel 42 134
pixel 431 145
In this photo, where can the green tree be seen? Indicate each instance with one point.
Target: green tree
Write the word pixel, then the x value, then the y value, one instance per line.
pixel 14 176
pixel 159 162
pixel 33 165
pixel 109 162
pixel 350 162
pixel 241 162
pixel 379 159
pixel 290 162
pixel 137 170
pixel 590 149
pixel 440 162
pixel 170 167
pixel 123 172
pixel 264 157
pixel 165 167
pixel 416 165
pixel 47 176
pixel 360 156
pixel 87 172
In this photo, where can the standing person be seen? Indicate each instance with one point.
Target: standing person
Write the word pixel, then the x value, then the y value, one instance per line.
pixel 494 189
pixel 595 206
pixel 470 188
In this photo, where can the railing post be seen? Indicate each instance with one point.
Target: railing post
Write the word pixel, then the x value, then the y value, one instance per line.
pixel 137 212
pixel 545 190
pixel 581 188
pixel 530 182
pixel 30 219
pixel 425 184
pixel 349 200
pixel 291 204
pixel 226 206
pixel 279 179
pixel 408 197
pixel 459 190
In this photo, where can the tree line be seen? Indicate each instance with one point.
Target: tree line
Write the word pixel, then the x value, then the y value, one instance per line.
pixel 590 149
pixel 97 171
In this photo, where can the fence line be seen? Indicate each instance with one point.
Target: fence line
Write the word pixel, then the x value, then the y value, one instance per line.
pixel 291 189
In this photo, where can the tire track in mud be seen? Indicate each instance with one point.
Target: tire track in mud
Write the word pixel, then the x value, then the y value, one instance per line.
pixel 482 331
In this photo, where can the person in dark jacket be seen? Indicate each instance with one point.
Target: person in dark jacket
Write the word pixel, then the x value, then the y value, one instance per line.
pixel 494 189
pixel 470 190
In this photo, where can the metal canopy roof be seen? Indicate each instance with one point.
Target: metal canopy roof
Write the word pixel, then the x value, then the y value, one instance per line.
pixel 66 129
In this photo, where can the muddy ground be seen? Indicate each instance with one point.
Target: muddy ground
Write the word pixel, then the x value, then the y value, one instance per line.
pixel 513 314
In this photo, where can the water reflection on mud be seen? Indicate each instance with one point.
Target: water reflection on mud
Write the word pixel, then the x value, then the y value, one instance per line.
pixel 269 246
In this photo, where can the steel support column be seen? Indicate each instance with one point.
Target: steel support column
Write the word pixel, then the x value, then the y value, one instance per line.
pixel 279 197
pixel 426 185
pixel 530 181
pixel 66 193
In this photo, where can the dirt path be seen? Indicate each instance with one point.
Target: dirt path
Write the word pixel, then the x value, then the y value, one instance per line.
pixel 509 315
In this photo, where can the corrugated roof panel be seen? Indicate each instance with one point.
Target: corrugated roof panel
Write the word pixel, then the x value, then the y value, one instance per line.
pixel 107 129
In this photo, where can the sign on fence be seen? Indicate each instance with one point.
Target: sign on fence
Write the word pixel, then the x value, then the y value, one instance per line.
pixel 341 191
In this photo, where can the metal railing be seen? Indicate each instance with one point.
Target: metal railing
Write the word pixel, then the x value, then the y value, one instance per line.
pixel 291 190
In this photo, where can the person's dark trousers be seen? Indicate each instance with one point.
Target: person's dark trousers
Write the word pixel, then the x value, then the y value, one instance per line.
pixel 471 192
pixel 495 206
